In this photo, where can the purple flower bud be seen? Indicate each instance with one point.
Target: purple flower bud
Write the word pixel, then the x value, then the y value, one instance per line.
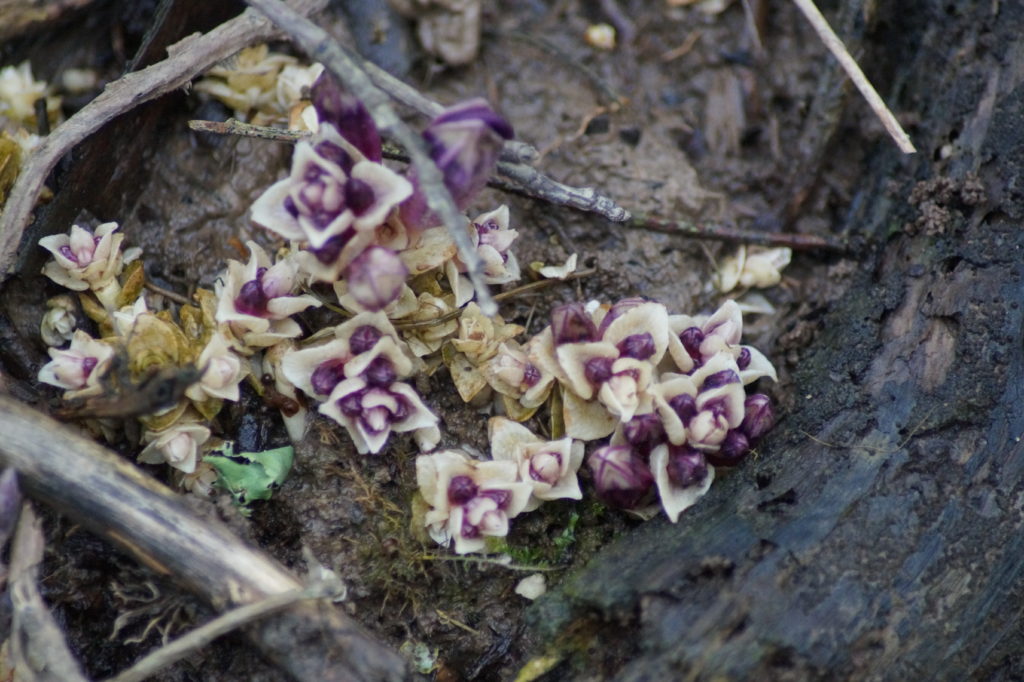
pixel 617 311
pixel 684 405
pixel 570 323
pixel 691 339
pixel 743 361
pixel 726 376
pixel 364 338
pixel 644 431
pixel 329 252
pixel 531 375
pixel 621 478
pixel 598 370
pixel 639 346
pixel 351 405
pixel 464 142
pixel 88 365
pixel 501 497
pixel 327 375
pixel 251 299
pixel 461 489
pixel 758 416
pixel 347 114
pixel 375 277
pixel 732 451
pixel 381 373
pixel 335 154
pixel 686 466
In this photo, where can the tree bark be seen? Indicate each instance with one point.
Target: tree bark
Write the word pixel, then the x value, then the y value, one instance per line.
pixel 879 534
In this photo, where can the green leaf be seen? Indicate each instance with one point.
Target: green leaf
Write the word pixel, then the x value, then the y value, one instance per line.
pixel 251 476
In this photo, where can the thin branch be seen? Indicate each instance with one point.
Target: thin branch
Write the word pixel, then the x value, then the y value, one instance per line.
pixel 536 184
pixel 839 51
pixel 173 652
pixel 110 496
pixel 322 47
pixel 233 126
pixel 722 233
pixel 188 57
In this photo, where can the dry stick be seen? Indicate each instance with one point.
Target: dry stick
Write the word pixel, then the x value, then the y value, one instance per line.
pixel 187 57
pixel 95 487
pixel 839 51
pixel 173 652
pixel 38 650
pixel 685 228
pixel 320 46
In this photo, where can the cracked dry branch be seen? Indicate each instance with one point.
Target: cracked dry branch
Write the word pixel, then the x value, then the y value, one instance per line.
pixel 95 487
pixel 319 45
pixel 186 58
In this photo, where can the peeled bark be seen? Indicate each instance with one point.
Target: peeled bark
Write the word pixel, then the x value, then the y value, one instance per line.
pixel 879 534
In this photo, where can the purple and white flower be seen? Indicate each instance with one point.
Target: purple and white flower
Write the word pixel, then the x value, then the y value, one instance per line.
pixel 469 500
pixel 255 300
pixel 371 409
pixel 548 466
pixel 79 368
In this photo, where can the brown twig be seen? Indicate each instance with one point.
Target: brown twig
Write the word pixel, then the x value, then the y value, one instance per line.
pixel 722 233
pixel 233 126
pixel 168 294
pixel 322 47
pixel 187 57
pixel 97 488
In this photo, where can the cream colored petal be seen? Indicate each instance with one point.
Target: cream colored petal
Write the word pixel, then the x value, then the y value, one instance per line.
pixel 506 437
pixel 675 500
pixel 586 420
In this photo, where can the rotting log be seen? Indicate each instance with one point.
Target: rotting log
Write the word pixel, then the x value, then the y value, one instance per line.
pixel 880 532
pixel 94 487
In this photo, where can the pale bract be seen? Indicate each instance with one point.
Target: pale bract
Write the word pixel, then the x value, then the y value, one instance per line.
pixel 676 498
pixel 177 445
pixel 223 371
pixel 59 322
pixel 550 467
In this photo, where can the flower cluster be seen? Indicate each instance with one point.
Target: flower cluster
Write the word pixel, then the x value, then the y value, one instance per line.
pixel 668 390
pixel 661 398
pixel 356 372
pixel 471 499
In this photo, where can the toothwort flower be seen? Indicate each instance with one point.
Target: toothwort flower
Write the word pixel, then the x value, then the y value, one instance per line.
pixel 370 408
pixel 621 478
pixel 83 260
pixel 469 500
pixel 78 369
pixel 255 300
pixel 548 466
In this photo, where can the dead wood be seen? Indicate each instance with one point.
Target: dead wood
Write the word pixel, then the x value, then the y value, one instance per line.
pixel 878 535
pixel 108 495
